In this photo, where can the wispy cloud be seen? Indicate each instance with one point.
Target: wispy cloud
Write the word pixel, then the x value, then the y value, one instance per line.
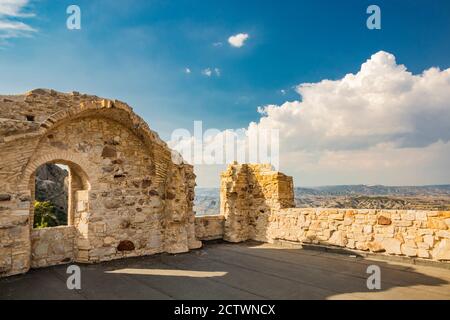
pixel 209 72
pixel 13 8
pixel 238 40
pixel 11 12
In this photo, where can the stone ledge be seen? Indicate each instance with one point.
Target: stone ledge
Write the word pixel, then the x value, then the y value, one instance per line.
pixel 362 254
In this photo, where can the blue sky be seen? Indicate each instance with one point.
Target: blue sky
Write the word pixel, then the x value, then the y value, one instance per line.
pixel 138 51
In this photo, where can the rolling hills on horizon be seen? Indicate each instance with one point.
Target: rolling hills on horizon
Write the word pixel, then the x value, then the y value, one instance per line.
pixel 429 197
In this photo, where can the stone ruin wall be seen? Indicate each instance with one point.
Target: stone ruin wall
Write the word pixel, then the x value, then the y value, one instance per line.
pixel 127 197
pixel 209 227
pixel 257 204
pixel 249 192
pixel 52 246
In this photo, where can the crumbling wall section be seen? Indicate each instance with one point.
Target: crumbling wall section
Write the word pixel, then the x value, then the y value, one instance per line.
pixel 248 194
pixel 129 198
pixel 257 204
pixel 209 227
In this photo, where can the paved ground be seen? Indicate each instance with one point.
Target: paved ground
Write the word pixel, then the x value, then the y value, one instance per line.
pixel 234 271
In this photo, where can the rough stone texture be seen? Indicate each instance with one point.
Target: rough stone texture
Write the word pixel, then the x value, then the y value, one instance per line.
pixel 257 204
pixel 124 245
pixel 249 193
pixel 128 198
pixel 209 227
pixel 123 182
pixel 52 246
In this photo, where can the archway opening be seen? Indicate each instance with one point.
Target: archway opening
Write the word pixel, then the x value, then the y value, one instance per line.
pixel 59 191
pixel 59 211
pixel 51 194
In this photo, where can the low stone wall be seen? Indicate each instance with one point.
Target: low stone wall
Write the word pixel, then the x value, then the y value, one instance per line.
pixel 52 246
pixel 14 232
pixel 209 227
pixel 257 204
pixel 423 234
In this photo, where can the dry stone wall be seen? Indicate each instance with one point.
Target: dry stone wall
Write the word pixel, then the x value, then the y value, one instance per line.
pixel 422 234
pixel 257 203
pixel 209 227
pixel 52 246
pixel 127 197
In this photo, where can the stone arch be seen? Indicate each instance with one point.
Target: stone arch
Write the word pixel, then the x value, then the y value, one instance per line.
pixel 124 114
pixel 137 192
pixel 44 250
pixel 74 161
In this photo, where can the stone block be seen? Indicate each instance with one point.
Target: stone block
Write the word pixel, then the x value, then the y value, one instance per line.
pixel 423 253
pixel 368 229
pixel 443 234
pixel 338 238
pixel 437 223
pixel 384 221
pixel 442 250
pixel 409 251
pixel 375 246
pixel 392 246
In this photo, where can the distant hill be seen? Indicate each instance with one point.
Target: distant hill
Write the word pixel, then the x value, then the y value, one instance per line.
pixel 206 201
pixel 375 190
pixel 433 197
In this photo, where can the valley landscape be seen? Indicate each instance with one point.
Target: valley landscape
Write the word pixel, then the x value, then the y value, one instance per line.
pixel 433 197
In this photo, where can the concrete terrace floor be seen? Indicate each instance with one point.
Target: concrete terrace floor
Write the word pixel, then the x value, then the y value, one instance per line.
pixel 234 271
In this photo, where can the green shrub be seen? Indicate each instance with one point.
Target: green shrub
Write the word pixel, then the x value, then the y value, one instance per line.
pixel 44 215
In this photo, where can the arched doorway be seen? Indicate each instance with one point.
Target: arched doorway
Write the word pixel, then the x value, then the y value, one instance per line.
pixel 51 196
pixel 57 227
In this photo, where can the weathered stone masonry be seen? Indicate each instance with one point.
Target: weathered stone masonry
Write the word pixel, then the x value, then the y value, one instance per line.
pixel 127 196
pixel 209 227
pixel 257 204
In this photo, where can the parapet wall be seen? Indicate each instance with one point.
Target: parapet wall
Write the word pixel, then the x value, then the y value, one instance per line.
pixel 52 246
pixel 422 234
pixel 257 204
pixel 209 227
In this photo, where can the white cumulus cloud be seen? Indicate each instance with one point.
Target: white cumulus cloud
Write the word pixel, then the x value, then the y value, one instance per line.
pixel 238 40
pixel 382 124
pixel 382 103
